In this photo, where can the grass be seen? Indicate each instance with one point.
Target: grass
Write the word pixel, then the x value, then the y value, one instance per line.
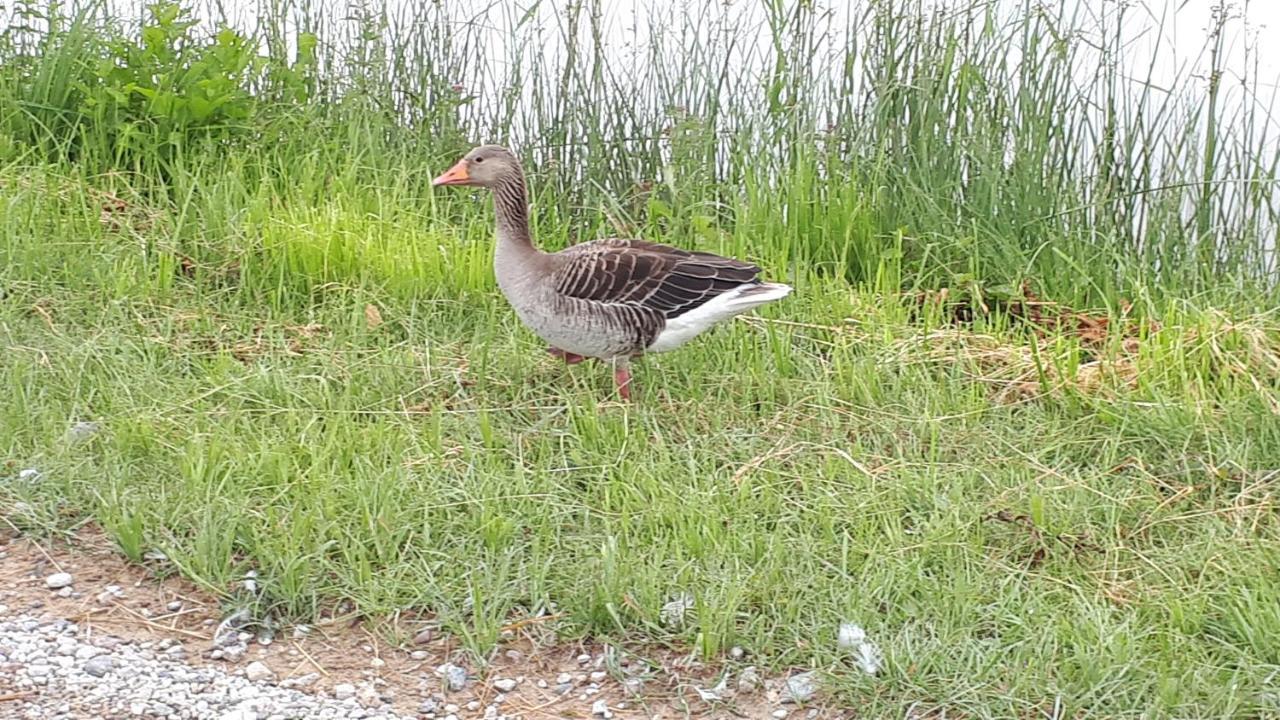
pixel 1009 527
pixel 299 364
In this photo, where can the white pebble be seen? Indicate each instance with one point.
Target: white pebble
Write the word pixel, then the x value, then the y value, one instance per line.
pixel 800 687
pixel 58 580
pixel 600 708
pixel 505 685
pixel 258 672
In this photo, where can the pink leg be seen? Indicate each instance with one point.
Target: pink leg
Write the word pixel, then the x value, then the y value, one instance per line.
pixel 622 376
pixel 569 358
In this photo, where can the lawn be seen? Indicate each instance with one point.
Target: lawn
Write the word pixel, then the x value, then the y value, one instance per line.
pixel 351 410
pixel 1019 421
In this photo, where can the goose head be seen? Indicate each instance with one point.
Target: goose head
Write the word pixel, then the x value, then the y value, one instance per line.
pixel 485 166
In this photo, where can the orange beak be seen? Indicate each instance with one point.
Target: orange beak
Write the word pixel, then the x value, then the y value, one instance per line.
pixel 456 175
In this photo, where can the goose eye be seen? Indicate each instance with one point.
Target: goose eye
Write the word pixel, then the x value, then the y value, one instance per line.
pixel 478 160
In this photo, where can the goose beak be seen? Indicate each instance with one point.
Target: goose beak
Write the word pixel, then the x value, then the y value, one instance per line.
pixel 456 175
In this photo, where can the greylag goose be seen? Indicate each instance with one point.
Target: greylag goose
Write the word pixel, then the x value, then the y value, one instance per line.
pixel 610 299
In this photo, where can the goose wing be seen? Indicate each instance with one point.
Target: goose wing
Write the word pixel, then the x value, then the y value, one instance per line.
pixel 659 279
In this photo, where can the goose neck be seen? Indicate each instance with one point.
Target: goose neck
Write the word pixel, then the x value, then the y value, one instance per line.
pixel 511 207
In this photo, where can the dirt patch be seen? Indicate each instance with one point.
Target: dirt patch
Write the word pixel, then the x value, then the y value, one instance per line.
pixel 110 596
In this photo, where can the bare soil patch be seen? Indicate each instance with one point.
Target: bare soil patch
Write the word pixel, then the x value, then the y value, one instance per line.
pixel 111 596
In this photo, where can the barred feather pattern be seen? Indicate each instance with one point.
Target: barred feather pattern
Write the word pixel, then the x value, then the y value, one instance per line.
pixel 641 285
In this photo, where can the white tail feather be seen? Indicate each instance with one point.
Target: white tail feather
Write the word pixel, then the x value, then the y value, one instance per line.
pixel 683 328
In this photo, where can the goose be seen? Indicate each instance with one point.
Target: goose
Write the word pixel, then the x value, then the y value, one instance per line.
pixel 612 299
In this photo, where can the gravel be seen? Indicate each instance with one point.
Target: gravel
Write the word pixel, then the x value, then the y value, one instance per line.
pixel 71 676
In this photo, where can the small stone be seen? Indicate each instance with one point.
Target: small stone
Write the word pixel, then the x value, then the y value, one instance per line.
pixel 65 592
pixel 233 653
pixel 599 676
pixel 419 655
pixel 301 631
pixel 38 670
pixel 57 581
pixel 377 662
pixel 491 713
pixel 779 713
pixel 473 706
pixel 736 652
pixel 81 431
pixel 258 672
pixel 99 665
pixel 674 611
pixel 455 677
pixel 799 688
pixel 600 708
pixel 107 642
pixel 748 679
pixel 424 636
pixel 239 713
pixel 159 709
pixel 302 681
pixel 84 652
pixel 174 606
pixel 451 708
pixel 514 656
pixel 541 683
pixel 428 706
pixel 583 659
pixel 368 696
pixel 564 678
pixel 342 691
pixel 505 685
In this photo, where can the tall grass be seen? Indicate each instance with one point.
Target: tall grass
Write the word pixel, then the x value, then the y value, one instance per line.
pixel 988 143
